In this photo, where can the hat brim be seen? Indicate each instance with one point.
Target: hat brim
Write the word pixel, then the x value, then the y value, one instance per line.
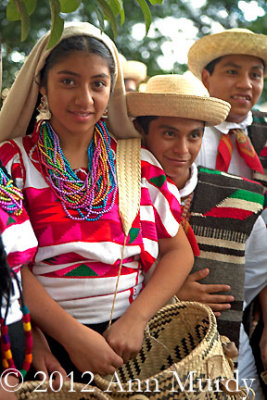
pixel 210 47
pixel 211 110
pixel 135 75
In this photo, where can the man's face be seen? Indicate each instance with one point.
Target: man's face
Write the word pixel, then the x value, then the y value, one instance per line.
pixel 237 79
pixel 175 142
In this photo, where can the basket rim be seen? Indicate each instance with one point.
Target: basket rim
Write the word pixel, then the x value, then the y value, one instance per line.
pixel 101 380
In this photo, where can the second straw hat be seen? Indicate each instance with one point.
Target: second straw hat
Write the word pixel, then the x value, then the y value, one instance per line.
pixel 177 96
pixel 231 41
pixel 134 70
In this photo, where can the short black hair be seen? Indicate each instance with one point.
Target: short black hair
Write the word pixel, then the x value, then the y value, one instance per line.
pixel 211 65
pixel 144 122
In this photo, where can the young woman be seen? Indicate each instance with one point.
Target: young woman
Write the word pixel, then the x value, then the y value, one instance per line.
pixel 89 270
pixel 220 212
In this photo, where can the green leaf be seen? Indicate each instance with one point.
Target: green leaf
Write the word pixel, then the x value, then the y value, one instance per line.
pixel 68 6
pixel 57 23
pixel 30 5
pixel 108 13
pixel 147 14
pixel 12 13
pixel 100 16
pixel 24 17
pixel 153 2
pixel 25 24
pixel 117 8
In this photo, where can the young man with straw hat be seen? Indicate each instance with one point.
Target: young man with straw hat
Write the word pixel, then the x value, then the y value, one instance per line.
pixel 232 65
pixel 220 211
pixel 134 72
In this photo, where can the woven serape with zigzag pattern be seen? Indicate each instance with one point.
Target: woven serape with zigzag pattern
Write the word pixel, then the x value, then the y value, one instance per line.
pixel 223 211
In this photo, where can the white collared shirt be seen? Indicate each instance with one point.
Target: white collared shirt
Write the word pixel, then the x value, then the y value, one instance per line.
pixel 191 184
pixel 211 139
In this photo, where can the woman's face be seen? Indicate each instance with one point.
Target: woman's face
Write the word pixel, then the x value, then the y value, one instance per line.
pixel 78 89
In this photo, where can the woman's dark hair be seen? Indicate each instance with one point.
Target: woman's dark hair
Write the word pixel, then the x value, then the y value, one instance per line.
pixel 77 43
pixel 144 122
pixel 6 286
pixel 62 50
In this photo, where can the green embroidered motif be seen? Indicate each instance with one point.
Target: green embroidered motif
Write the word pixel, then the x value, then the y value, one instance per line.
pixel 51 260
pixel 82 270
pixel 158 180
pixel 133 234
pixel 10 220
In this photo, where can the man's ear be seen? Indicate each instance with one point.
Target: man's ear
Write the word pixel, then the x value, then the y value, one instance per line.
pixel 138 127
pixel 205 78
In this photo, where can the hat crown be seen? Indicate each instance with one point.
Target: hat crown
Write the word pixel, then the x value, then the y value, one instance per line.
pixel 231 41
pixel 238 30
pixel 134 70
pixel 176 84
pixel 177 96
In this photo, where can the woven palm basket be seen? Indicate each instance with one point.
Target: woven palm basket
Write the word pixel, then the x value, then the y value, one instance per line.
pixel 32 390
pixel 181 338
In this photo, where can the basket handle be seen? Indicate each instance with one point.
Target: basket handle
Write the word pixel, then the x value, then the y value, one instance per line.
pixel 229 348
pixel 175 299
pixel 236 393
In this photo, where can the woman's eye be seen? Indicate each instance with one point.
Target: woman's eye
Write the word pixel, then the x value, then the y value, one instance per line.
pixel 99 84
pixel 68 82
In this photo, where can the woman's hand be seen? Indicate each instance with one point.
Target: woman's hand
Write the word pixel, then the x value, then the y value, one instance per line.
pixel 44 360
pixel 89 351
pixel 125 336
pixel 6 384
pixel 192 290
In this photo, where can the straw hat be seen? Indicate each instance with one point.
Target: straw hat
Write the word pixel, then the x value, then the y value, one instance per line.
pixel 177 96
pixel 231 41
pixel 135 70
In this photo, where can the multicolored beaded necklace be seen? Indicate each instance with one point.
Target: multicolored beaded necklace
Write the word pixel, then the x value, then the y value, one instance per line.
pixel 11 197
pixel 11 200
pixel 96 194
pixel 7 358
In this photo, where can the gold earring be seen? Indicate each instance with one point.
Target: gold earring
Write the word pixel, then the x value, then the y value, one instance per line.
pixel 105 113
pixel 43 109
